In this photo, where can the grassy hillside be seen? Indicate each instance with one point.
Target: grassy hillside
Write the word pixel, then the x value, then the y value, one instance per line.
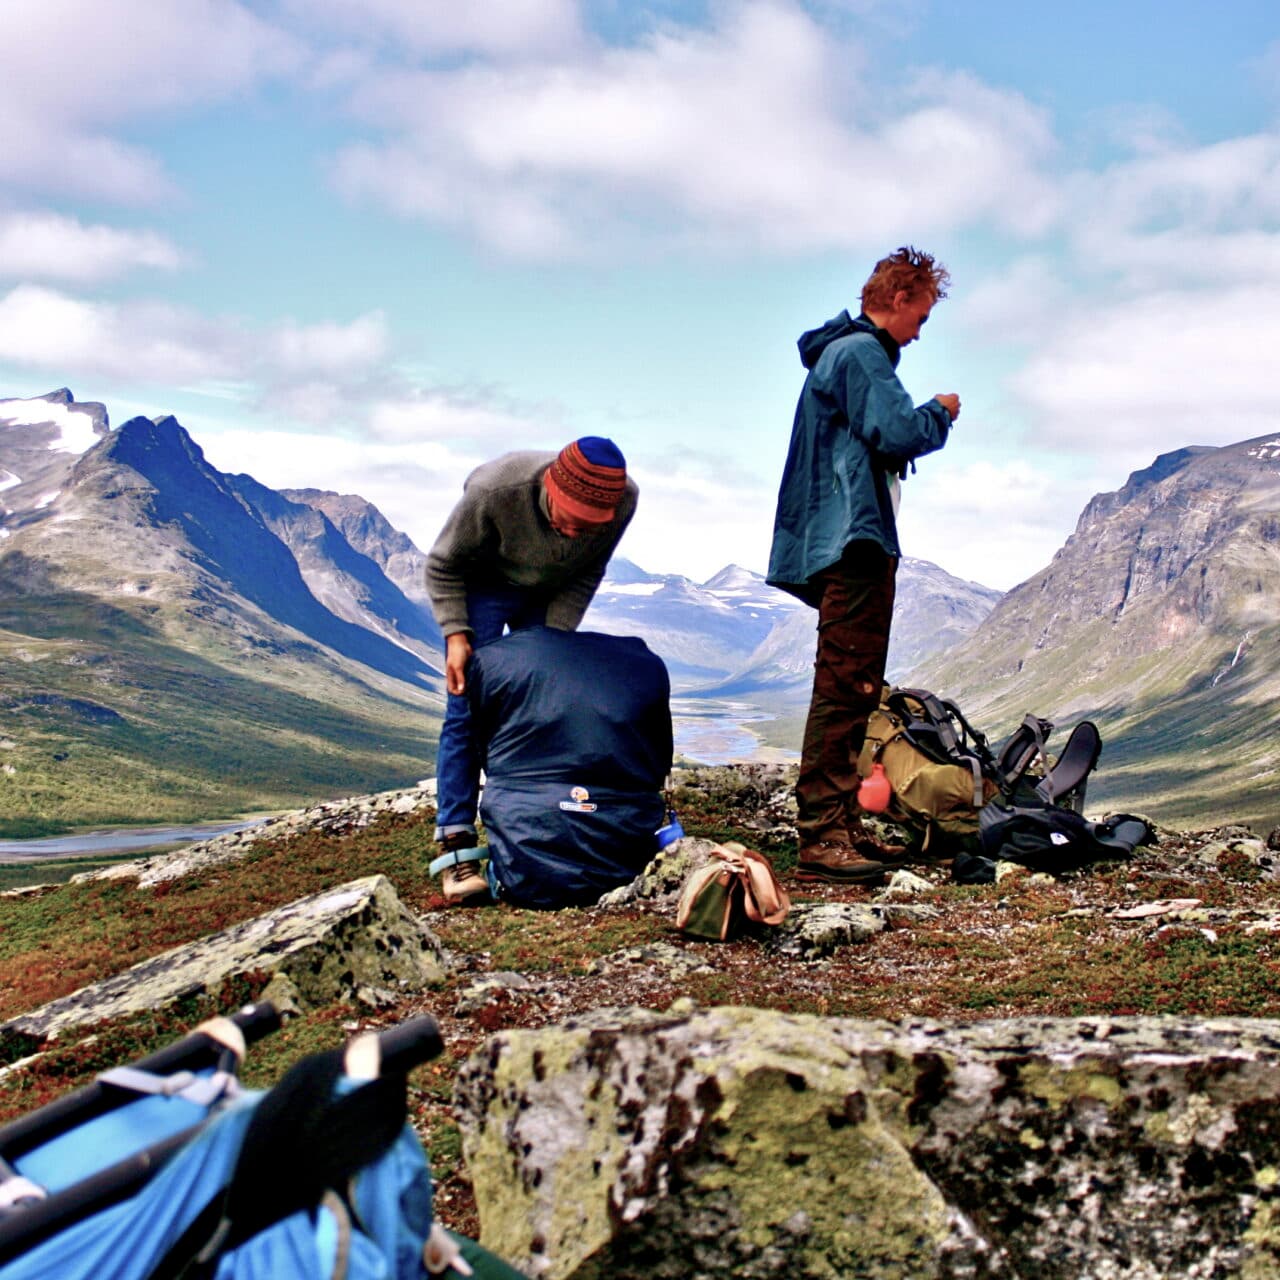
pixel 106 719
pixel 1188 737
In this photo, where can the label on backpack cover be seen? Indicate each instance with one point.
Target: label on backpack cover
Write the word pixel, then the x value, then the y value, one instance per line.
pixel 578 801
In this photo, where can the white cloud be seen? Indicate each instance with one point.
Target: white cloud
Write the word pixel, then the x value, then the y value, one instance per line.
pixel 1205 216
pixel 994 521
pixel 335 347
pixel 483 419
pixel 49 330
pixel 147 341
pixel 754 132
pixel 52 246
pixel 75 68
pixel 1157 372
pixel 514 28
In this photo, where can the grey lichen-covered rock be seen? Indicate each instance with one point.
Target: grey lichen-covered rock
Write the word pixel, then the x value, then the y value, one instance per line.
pixel 742 1143
pixel 661 957
pixel 1239 851
pixel 357 941
pixel 482 991
pixel 906 884
pixel 815 929
pixel 661 881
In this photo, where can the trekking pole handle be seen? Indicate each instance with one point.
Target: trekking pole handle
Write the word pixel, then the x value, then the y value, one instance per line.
pixel 409 1045
pixel 258 1020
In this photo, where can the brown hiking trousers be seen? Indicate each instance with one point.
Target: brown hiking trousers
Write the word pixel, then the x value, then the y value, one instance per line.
pixel 855 609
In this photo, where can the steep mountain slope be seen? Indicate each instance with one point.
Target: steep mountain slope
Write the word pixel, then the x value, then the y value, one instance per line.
pixel 161 655
pixel 1159 618
pixel 371 534
pixel 351 584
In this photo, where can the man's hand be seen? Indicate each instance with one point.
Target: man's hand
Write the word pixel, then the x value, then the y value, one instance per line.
pixel 951 403
pixel 457 654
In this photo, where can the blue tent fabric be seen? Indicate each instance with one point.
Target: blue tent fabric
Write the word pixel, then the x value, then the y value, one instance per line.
pixel 575 732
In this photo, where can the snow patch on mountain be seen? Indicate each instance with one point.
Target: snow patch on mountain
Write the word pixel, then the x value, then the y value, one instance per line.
pixel 75 426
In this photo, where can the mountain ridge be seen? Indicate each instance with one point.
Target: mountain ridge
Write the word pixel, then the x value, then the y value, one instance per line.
pixel 308 604
pixel 1159 618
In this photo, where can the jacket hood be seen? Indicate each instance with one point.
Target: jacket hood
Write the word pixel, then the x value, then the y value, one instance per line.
pixel 813 343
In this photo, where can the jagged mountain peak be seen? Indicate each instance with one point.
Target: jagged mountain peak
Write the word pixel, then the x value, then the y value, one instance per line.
pixel 733 577
pixel 623 572
pixel 160 448
pixel 354 515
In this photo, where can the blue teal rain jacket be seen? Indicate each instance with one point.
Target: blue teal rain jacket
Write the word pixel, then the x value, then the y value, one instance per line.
pixel 855 428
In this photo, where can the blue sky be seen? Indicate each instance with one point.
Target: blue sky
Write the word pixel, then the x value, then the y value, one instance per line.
pixel 366 244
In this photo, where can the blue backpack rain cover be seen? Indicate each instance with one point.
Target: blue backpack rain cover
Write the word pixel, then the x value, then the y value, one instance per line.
pixel 574 728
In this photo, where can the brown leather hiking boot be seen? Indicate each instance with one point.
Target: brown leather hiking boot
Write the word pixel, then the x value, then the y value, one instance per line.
pixel 871 847
pixel 839 862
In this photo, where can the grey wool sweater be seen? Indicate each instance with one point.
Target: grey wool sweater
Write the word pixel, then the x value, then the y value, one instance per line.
pixel 500 534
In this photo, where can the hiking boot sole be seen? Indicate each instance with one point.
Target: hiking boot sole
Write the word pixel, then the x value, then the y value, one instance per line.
pixel 871 873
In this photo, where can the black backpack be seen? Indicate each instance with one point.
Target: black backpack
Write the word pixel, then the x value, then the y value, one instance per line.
pixel 1049 838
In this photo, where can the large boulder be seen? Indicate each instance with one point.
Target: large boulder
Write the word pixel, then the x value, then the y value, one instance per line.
pixel 741 1143
pixel 355 942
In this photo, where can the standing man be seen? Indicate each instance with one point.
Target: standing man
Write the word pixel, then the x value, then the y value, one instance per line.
pixel 835 542
pixel 527 545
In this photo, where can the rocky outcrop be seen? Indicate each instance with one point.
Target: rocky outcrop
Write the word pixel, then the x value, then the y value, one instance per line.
pixel 741 1143
pixel 356 942
pixel 334 817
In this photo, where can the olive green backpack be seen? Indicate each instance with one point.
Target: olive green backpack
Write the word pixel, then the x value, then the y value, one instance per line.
pixel 942 771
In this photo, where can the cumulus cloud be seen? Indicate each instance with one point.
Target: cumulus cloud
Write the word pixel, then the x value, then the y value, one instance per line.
pixel 76 68
pixel 751 132
pixel 1157 372
pixel 995 521
pixel 148 341
pixel 516 28
pixel 1158 328
pixel 338 348
pixel 52 246
pixel 464 418
pixel 413 484
pixel 1200 216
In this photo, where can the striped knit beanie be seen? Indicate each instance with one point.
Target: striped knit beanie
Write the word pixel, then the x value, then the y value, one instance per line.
pixel 587 479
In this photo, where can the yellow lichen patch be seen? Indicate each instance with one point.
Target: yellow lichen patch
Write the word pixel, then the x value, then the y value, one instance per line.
pixel 1196 1118
pixel 1262 1236
pixel 1062 1086
pixel 814 1143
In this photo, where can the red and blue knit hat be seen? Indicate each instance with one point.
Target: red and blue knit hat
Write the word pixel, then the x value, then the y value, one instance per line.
pixel 587 479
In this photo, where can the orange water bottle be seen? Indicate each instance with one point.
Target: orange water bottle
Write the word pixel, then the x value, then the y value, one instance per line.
pixel 874 792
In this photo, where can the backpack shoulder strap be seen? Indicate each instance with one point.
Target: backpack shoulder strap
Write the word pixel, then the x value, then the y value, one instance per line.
pixel 1021 750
